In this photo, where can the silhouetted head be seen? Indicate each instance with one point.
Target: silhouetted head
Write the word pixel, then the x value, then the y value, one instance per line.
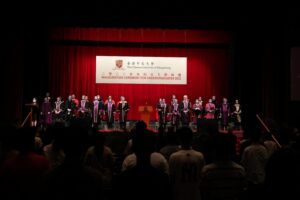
pixel 185 136
pixel 75 139
pixel 256 133
pixel 143 143
pixel 225 146
pixel 25 139
pixel 140 125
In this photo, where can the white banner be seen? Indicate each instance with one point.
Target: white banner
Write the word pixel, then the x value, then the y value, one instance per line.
pixel 141 70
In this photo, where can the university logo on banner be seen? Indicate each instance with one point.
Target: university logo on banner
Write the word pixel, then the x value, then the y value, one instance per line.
pixel 141 70
pixel 119 63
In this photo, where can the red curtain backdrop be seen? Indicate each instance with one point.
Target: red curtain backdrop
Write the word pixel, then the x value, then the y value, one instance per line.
pixel 73 70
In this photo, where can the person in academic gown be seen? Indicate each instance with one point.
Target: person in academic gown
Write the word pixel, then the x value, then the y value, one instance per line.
pixel 46 113
pixel 123 108
pixel 236 114
pixel 197 112
pixel 58 109
pixel 110 110
pixel 175 114
pixel 224 113
pixel 210 109
pixel 69 109
pixel 185 110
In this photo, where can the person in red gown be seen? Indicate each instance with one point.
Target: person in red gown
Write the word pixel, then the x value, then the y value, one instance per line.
pixel 210 109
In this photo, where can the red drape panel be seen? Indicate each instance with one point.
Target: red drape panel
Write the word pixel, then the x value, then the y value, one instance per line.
pixel 72 70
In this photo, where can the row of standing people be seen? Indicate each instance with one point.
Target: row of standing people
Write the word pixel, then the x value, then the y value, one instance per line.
pixel 93 112
pixel 183 112
pixel 98 110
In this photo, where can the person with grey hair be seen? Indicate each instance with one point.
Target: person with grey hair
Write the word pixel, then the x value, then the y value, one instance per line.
pixel 173 98
pixel 175 113
pixel 185 110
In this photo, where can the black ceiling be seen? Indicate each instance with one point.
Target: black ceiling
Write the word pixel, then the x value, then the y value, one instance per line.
pixel 169 14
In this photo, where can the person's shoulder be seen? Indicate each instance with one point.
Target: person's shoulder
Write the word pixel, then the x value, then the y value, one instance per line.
pixel 130 157
pixel 107 150
pixel 198 153
pixel 176 155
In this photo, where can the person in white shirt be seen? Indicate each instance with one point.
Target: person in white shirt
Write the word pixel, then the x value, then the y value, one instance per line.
pixel 185 168
pixel 254 160
pixel 223 178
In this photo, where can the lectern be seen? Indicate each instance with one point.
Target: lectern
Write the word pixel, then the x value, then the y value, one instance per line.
pixel 145 112
pixel 32 107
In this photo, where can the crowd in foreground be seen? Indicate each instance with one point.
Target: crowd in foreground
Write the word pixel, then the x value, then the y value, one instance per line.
pixel 78 163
